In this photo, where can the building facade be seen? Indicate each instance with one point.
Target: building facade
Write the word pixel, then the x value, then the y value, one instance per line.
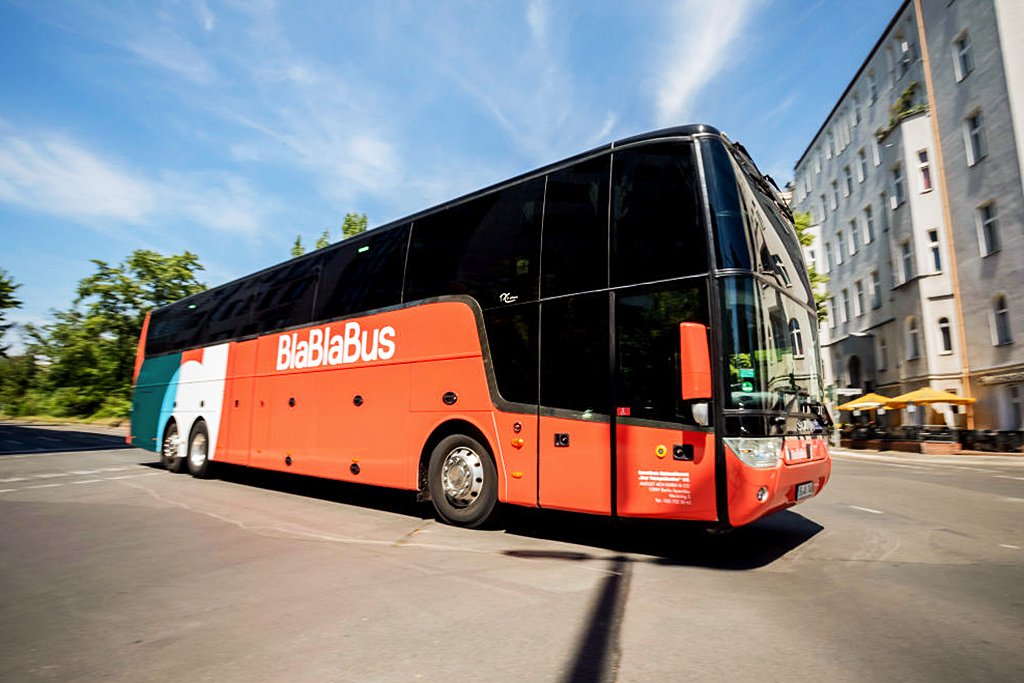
pixel 913 184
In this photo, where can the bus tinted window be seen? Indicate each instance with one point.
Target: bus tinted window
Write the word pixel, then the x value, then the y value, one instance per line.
pixel 648 336
pixel 576 229
pixel 657 231
pixel 574 356
pixel 362 274
pixel 231 313
pixel 176 327
pixel 486 248
pixel 512 337
pixel 285 294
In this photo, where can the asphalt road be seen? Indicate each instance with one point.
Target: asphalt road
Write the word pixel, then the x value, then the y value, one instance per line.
pixel 905 568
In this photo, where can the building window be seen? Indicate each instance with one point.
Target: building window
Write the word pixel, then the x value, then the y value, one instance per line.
pixel 963 62
pixel 830 309
pixel 913 339
pixel 854 236
pixel 988 229
pixel 925 169
pixel 858 298
pixel 890 63
pixel 831 145
pixel 869 225
pixel 817 161
pixel 899 193
pixel 906 262
pixel 862 165
pixel 1001 321
pixel 906 56
pixel 974 138
pixel 847 181
pixel 840 248
pixel 933 247
pixel 945 336
pixel 856 109
pixel 876 290
pixel 797 338
pixel 835 195
pixel 884 214
pixel 1016 394
pixel 883 353
pixel 828 257
pixel 844 310
pixel 876 152
pixel 872 88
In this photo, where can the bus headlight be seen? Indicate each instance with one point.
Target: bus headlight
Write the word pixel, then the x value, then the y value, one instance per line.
pixel 761 453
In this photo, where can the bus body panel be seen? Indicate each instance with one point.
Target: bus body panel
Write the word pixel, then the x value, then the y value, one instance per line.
pixel 158 378
pixel 518 448
pixel 653 483
pixel 576 476
pixel 233 442
pixel 780 481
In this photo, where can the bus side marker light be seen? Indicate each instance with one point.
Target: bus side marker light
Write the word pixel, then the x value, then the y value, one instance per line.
pixel 762 494
pixel 517 475
pixel 518 443
pixel 661 451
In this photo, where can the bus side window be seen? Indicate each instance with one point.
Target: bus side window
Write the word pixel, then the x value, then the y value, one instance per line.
pixel 285 295
pixel 512 342
pixel 575 236
pixel 362 274
pixel 574 354
pixel 657 226
pixel 487 248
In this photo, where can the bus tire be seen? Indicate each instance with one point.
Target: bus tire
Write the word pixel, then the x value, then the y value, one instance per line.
pixel 199 451
pixel 170 450
pixel 463 481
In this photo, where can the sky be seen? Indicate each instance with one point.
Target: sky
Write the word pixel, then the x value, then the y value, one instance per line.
pixel 227 128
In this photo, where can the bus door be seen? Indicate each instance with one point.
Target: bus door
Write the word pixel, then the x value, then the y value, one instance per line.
pixel 575 393
pixel 665 457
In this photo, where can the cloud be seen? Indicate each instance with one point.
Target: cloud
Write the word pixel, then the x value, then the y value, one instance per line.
pixel 54 175
pixel 703 36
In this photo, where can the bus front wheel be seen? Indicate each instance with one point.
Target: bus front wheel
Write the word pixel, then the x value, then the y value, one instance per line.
pixel 170 450
pixel 463 481
pixel 199 451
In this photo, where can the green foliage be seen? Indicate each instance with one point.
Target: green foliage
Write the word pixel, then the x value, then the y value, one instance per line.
pixel 902 108
pixel 83 361
pixel 354 224
pixel 7 300
pixel 324 240
pixel 297 248
pixel 802 223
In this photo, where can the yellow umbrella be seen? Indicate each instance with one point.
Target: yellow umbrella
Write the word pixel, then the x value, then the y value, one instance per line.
pixel 866 402
pixel 926 395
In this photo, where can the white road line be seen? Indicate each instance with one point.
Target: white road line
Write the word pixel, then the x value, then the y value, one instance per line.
pixel 8 490
pixel 874 512
pixel 88 481
pixel 1011 547
pixel 49 475
pixel 133 476
pixel 41 486
pixel 83 471
pixel 1006 476
pixel 112 469
pixel 12 479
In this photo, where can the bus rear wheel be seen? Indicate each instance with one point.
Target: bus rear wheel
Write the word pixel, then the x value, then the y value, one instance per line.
pixel 463 482
pixel 170 450
pixel 199 451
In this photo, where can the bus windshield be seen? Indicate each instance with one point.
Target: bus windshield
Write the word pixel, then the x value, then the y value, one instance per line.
pixel 771 349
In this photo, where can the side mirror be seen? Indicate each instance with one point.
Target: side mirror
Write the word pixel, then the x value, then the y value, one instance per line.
pixel 694 362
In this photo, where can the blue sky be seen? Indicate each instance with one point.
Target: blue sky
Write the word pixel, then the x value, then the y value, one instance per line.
pixel 229 127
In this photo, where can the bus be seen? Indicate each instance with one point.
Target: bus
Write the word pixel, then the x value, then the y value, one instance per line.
pixel 628 332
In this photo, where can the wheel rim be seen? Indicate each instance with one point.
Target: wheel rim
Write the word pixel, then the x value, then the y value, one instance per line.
pixel 197 451
pixel 462 476
pixel 171 444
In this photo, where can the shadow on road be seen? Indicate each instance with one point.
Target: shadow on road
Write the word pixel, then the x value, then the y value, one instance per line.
pixel 21 440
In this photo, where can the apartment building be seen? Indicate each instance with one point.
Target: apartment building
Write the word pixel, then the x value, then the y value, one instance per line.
pixel 913 184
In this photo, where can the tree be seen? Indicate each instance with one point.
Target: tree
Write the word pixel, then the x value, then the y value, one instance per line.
pixel 90 348
pixel 7 300
pixel 354 224
pixel 324 240
pixel 802 223
pixel 297 248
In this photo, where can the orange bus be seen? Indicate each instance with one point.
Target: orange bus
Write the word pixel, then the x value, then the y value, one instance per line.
pixel 628 332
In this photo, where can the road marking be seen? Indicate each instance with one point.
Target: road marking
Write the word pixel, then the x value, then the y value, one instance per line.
pixel 41 486
pixel 1011 547
pixel 12 479
pixel 874 512
pixel 88 481
pixel 83 471
pixel 7 490
pixel 49 475
pixel 133 476
pixel 1006 476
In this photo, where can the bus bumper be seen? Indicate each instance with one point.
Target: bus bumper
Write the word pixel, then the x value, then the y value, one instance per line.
pixel 755 493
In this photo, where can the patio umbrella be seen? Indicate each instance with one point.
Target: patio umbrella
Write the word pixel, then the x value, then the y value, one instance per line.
pixel 926 396
pixel 866 402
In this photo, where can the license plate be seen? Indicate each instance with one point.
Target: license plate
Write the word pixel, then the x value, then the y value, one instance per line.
pixel 805 490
